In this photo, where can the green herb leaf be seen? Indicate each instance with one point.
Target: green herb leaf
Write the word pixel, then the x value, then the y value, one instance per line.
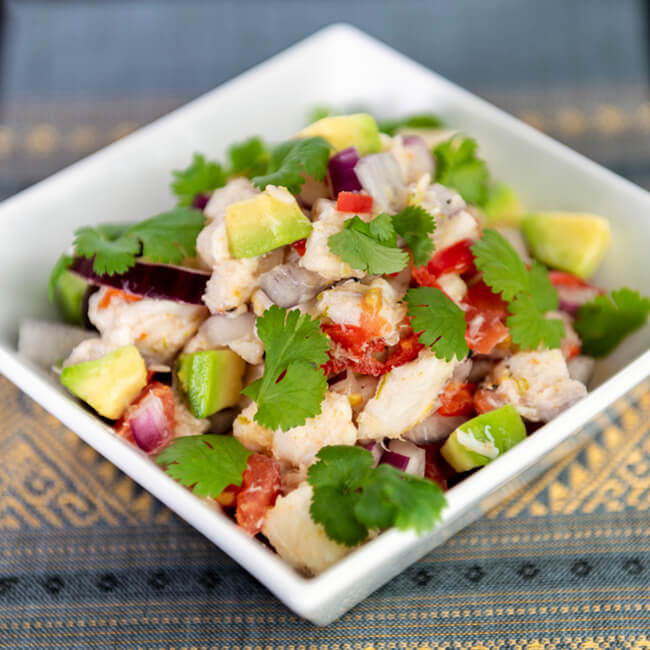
pixel 542 289
pixel 249 158
pixel 293 385
pixel 459 167
pixel 503 270
pixel 369 247
pixel 292 160
pixel 208 464
pixel 60 267
pixel 417 121
pixel 416 225
pixel 605 321
pixel 201 176
pixel 350 497
pixel 528 326
pixel 439 320
pixel 169 238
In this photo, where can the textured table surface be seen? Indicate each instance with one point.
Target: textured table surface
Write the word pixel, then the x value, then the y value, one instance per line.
pixel 88 559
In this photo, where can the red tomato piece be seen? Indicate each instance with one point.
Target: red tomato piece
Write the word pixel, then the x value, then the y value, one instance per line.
pixel 457 258
pixel 406 350
pixel 486 400
pixel 424 277
pixel 259 490
pixel 351 337
pixel 484 331
pixel 300 246
pixel 353 202
pixel 563 279
pixel 482 298
pixel 457 399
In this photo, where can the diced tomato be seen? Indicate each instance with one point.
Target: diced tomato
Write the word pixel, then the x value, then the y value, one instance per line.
pixel 563 279
pixel 485 400
pixel 483 299
pixel 424 277
pixel 571 350
pixel 300 246
pixel 353 202
pixel 485 315
pixel 457 258
pixel 457 399
pixel 116 293
pixel 406 350
pixel 165 394
pixel 259 490
pixel 333 366
pixel 351 337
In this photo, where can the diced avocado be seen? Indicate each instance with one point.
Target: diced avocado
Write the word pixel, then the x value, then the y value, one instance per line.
pixel 108 384
pixel 342 131
pixel 492 433
pixel 212 380
pixel 570 241
pixel 69 292
pixel 502 206
pixel 267 221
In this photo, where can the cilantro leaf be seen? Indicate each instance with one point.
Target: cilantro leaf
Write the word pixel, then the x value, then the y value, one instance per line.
pixel 293 385
pixel 201 176
pixel 60 267
pixel 415 225
pixel 528 326
pixel 369 247
pixel 351 497
pixel 417 121
pixel 292 160
pixel 459 167
pixel 168 237
pixel 503 270
pixel 171 236
pixel 439 320
pixel 249 158
pixel 110 255
pixel 207 463
pixel 605 321
pixel 542 289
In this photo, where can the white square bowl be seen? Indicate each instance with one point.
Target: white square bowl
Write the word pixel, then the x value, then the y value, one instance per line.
pixel 338 66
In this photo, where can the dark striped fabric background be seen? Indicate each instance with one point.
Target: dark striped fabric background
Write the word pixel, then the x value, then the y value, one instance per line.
pixel 89 560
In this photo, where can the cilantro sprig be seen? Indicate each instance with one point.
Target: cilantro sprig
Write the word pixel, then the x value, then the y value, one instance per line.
pixel 169 237
pixel 417 121
pixel 200 177
pixel 458 166
pixel 370 247
pixel 292 160
pixel 605 321
pixel 351 497
pixel 207 463
pixel 415 224
pixel 249 158
pixel 439 320
pixel 293 385
pixel 529 292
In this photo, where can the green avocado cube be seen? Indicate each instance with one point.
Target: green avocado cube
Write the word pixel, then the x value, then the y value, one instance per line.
pixel 481 439
pixel 211 379
pixel 108 384
pixel 342 131
pixel 570 241
pixel 69 292
pixel 503 206
pixel 265 222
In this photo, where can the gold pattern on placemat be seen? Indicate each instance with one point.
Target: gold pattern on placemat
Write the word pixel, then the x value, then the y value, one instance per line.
pixel 49 477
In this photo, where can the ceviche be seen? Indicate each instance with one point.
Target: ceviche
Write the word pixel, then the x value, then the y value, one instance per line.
pixel 323 335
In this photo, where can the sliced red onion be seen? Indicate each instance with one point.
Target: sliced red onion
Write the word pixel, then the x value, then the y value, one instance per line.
pixel 435 428
pixel 150 427
pixel 381 176
pixel 572 298
pixel 46 344
pixel 159 281
pixel 341 170
pixel 201 200
pixel 398 461
pixel 421 161
pixel 222 330
pixel 374 448
pixel 417 457
pixel 288 285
